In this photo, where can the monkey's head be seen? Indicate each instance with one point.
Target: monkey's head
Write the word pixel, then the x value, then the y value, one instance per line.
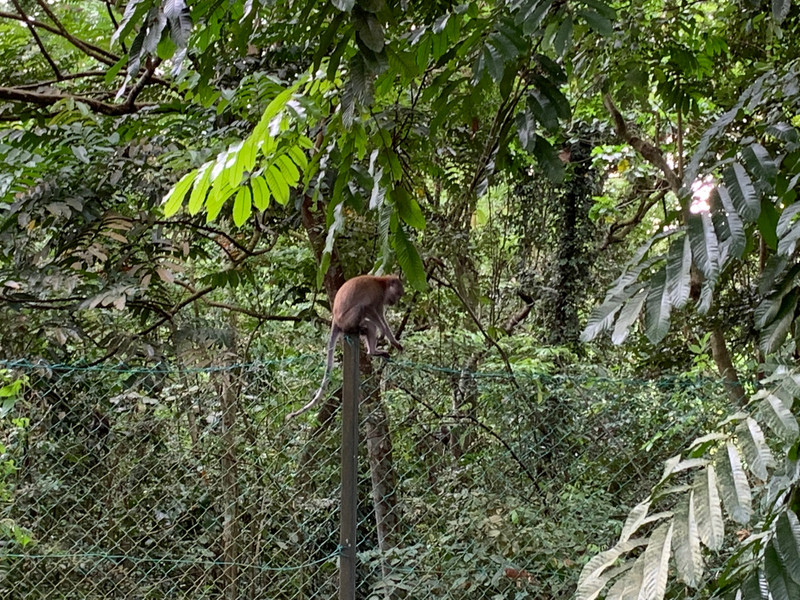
pixel 394 289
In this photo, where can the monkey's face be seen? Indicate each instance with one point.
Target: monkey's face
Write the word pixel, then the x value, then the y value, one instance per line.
pixel 394 290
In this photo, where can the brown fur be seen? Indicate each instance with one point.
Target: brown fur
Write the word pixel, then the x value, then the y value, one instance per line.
pixel 359 308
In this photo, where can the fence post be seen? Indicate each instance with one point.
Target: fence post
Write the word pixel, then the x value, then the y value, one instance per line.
pixel 349 504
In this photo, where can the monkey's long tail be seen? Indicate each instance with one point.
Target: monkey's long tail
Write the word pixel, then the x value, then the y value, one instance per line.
pixel 315 400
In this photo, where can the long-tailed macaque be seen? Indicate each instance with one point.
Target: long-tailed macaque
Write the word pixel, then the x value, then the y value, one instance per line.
pixel 359 308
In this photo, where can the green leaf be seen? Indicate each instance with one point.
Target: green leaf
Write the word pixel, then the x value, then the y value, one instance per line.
pixel 198 196
pixel 563 38
pixel 601 318
pixel 277 185
pixel 540 107
pixel 548 159
pixel 409 260
pixel 531 14
pixel 781 586
pixel 627 317
pixel 115 68
pixel 261 194
pixel 408 209
pixel 598 22
pixel 636 517
pixel 174 198
pixel 768 224
pixel 718 128
pixel 289 170
pixel 738 238
pixel 298 157
pixel 780 9
pixel 775 330
pixel 752 589
pixel 788 229
pixel 760 163
pixel 709 510
pixel 704 243
pixel 344 5
pixel 592 578
pixel 779 418
pixel 686 542
pixel 133 12
pixel 679 262
pixel 526 129
pixel 657 309
pixel 656 563
pixel 629 586
pixel 774 269
pixel 602 8
pixel 369 31
pixel 787 543
pixel 242 206
pixel 557 99
pixel 742 192
pixel 277 104
pixel 733 485
pixel 216 200
pixel 754 446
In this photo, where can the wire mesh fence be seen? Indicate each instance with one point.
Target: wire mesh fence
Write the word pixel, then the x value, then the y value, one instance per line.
pixel 189 483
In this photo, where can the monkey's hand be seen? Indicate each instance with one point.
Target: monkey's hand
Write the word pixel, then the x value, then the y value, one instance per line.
pixel 381 353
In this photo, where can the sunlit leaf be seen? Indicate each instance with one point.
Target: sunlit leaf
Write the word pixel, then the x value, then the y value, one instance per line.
pixel 242 206
pixel 742 192
pixel 174 199
pixel 708 508
pixel 733 484
pixel 754 446
pixel 686 542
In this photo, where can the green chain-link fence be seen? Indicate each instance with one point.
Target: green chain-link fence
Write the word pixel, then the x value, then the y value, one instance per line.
pixel 189 484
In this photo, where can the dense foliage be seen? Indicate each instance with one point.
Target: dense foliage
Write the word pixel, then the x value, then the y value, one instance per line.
pixel 182 179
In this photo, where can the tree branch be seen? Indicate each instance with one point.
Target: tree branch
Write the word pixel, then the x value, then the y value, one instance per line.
pixel 37 39
pixel 48 99
pixel 489 339
pixel 91 50
pixel 143 80
pixel 648 151
pixel 254 313
pixel 619 230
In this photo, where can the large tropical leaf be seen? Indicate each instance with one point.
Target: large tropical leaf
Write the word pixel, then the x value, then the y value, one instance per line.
pixel 679 262
pixel 657 308
pixel 686 542
pixel 757 454
pixel 745 199
pixel 733 485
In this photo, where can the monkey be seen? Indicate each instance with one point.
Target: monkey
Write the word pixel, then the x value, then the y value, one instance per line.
pixel 359 308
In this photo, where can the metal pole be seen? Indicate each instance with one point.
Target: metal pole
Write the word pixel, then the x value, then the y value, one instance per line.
pixel 347 527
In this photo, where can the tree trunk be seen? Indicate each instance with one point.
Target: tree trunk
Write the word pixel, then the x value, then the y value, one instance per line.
pixel 719 351
pixel 572 256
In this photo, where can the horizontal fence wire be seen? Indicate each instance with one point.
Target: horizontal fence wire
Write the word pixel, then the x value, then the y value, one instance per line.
pixel 135 482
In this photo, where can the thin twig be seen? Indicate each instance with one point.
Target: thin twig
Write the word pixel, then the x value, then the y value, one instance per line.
pixel 479 325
